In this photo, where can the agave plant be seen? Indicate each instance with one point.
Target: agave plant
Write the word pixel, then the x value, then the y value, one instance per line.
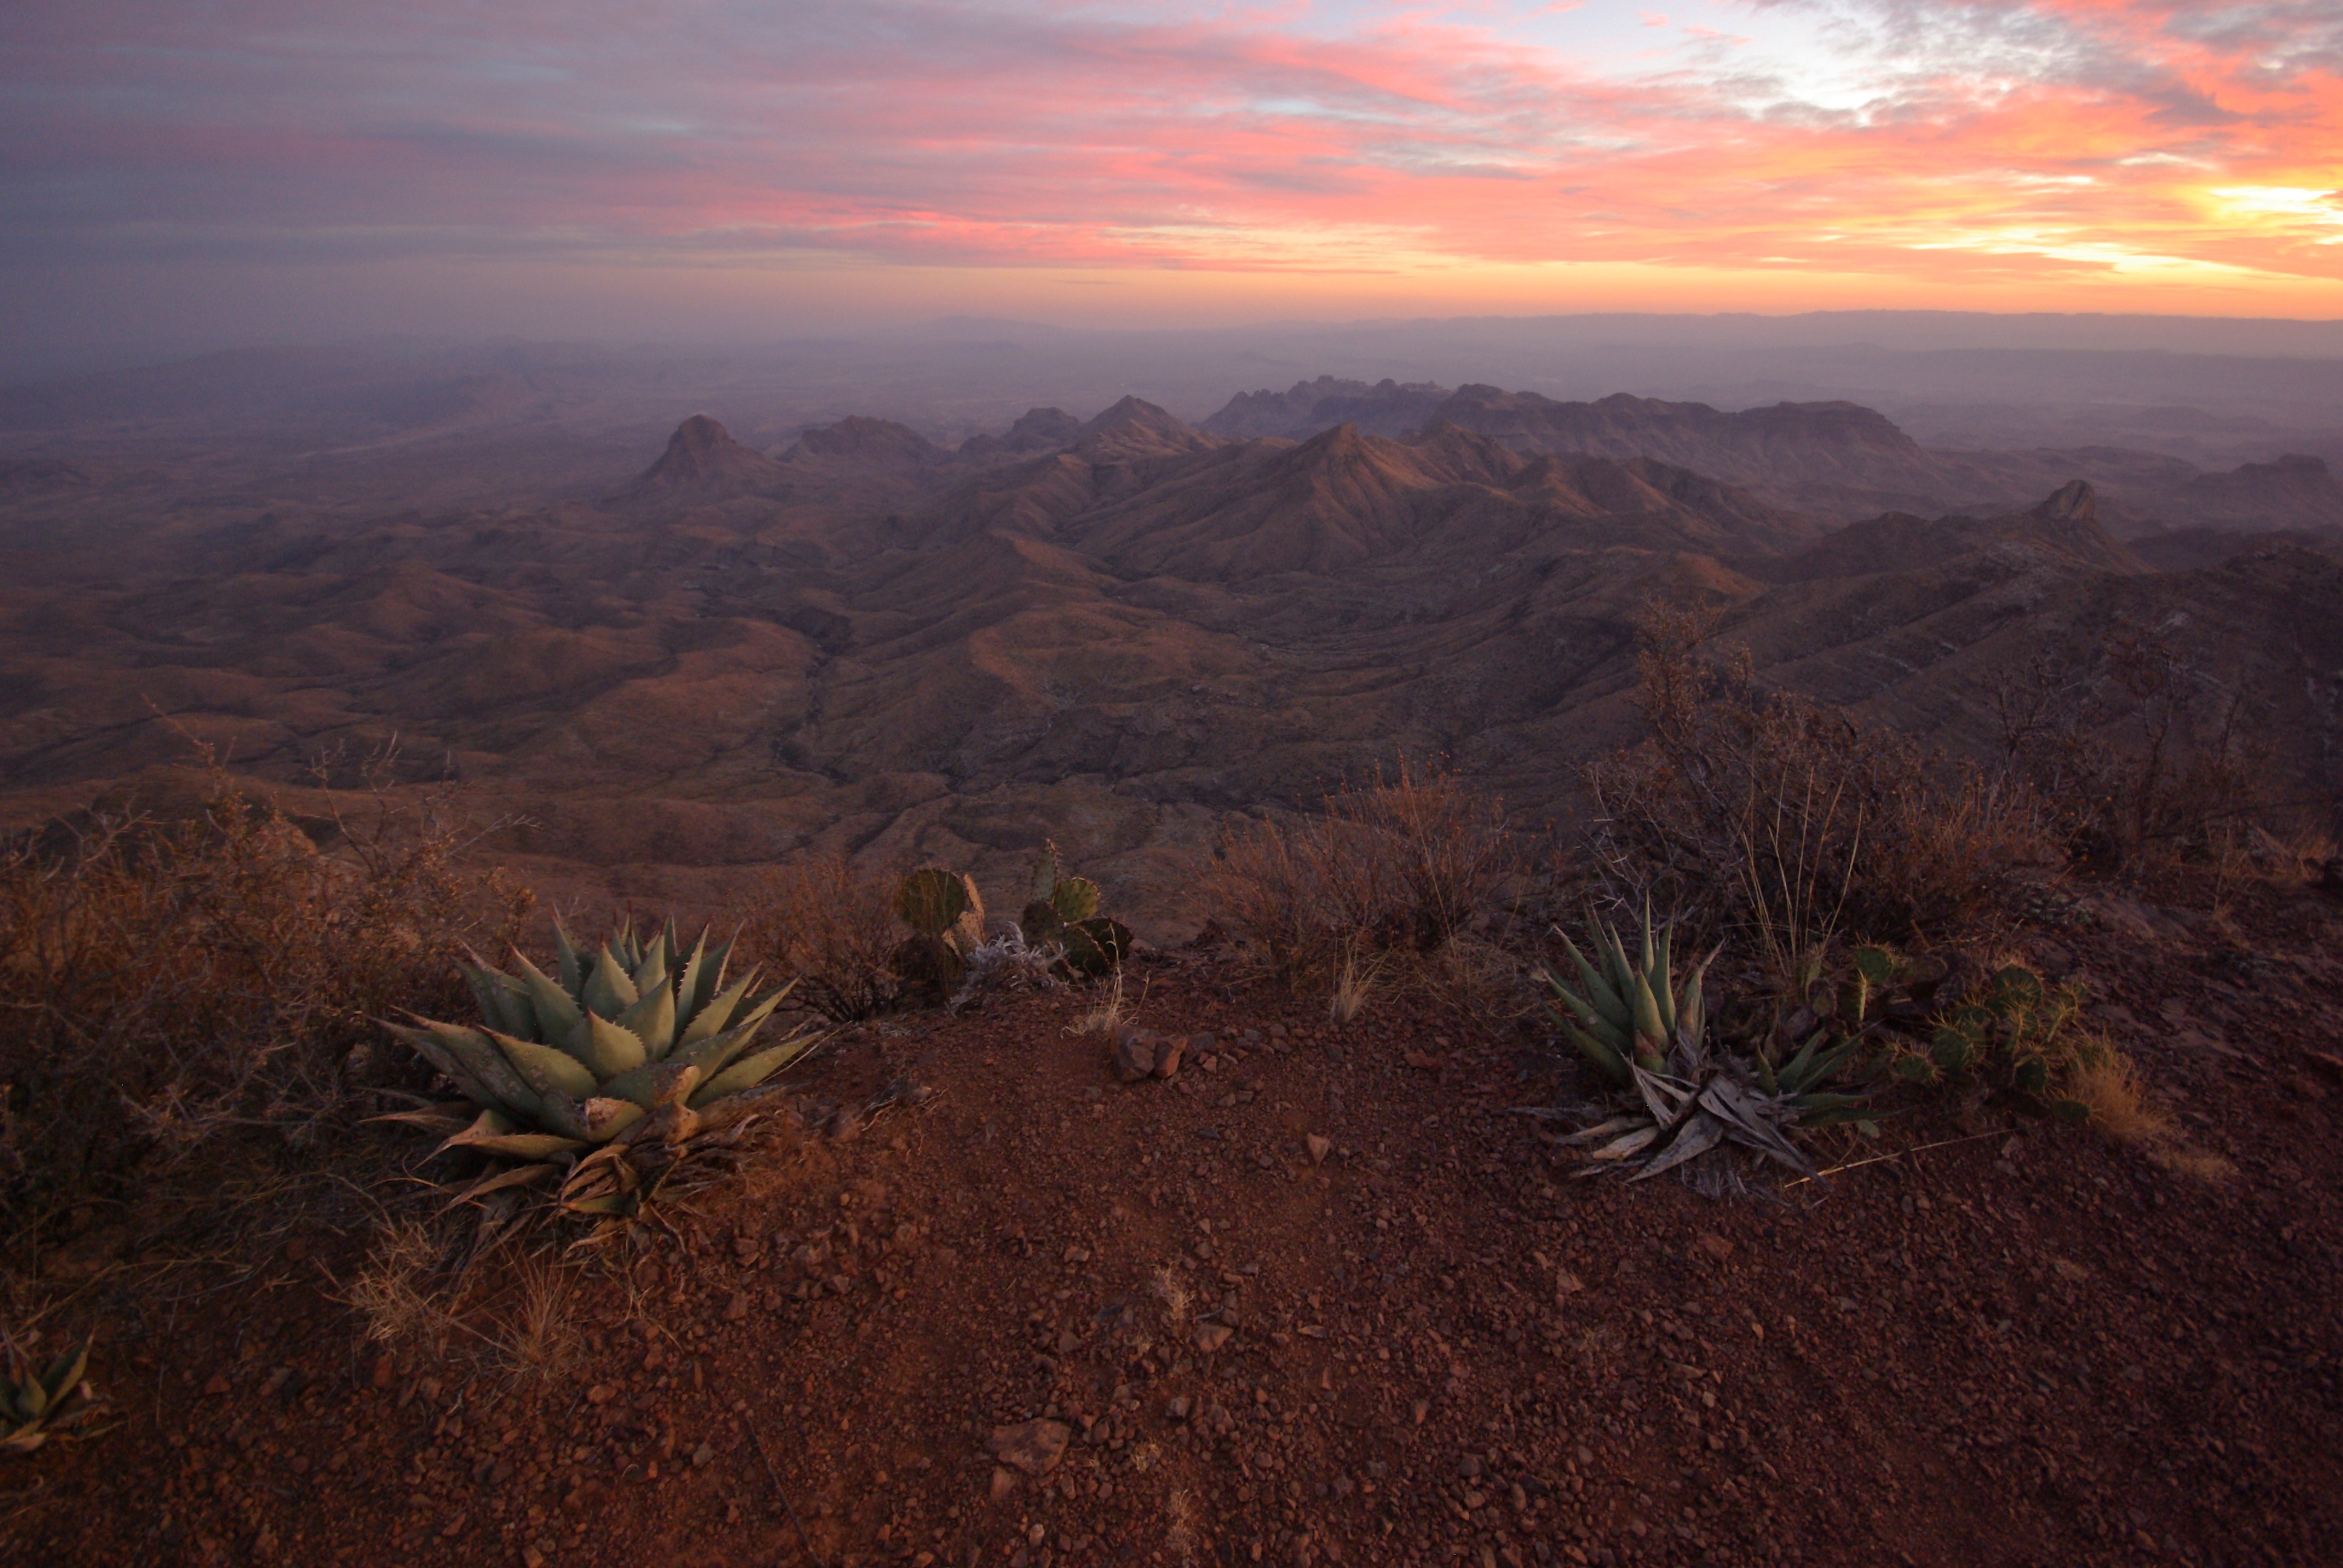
pixel 602 1071
pixel 1061 911
pixel 1647 1035
pixel 36 1406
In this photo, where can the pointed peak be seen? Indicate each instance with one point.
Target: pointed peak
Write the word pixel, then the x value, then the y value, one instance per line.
pixel 2075 502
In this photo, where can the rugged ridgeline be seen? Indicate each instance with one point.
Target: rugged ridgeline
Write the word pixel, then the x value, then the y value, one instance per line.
pixel 1837 460
pixel 1115 629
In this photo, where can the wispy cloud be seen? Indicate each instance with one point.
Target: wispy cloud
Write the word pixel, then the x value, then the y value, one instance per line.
pixel 1932 141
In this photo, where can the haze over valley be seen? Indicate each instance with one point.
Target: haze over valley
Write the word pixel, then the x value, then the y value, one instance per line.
pixel 683 614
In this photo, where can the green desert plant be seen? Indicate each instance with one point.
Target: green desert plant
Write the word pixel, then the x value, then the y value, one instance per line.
pixel 1647 1036
pixel 36 1406
pixel 2014 1037
pixel 599 1074
pixel 1062 912
pixel 945 914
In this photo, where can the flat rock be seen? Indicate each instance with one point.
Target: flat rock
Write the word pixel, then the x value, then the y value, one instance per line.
pixel 1033 1446
pixel 1211 1337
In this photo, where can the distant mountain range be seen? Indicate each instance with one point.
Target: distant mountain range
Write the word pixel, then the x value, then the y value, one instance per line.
pixel 1114 631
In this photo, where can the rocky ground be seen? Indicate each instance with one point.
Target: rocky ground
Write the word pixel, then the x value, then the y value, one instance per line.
pixel 1319 1298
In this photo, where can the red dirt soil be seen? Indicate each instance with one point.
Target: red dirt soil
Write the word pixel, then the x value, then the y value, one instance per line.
pixel 2014 1343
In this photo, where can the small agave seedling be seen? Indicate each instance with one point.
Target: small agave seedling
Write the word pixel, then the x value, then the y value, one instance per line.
pixel 36 1406
pixel 619 1053
pixel 1062 912
pixel 1646 1033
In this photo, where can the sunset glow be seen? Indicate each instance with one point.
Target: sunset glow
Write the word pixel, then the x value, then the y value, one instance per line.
pixel 1207 161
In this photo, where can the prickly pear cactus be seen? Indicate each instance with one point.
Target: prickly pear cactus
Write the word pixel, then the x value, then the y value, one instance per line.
pixel 1061 911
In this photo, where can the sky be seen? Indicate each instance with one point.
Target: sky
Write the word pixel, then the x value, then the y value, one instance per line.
pixel 271 168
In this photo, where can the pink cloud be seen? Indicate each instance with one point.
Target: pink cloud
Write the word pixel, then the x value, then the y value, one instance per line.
pixel 2050 139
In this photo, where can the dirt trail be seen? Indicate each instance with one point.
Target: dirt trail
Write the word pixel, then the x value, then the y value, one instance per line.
pixel 2020 1346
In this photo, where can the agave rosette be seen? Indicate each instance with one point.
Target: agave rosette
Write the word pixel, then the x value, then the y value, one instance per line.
pixel 1647 1034
pixel 38 1404
pixel 629 1040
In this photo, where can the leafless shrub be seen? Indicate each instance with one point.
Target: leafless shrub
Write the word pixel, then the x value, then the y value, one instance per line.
pixel 1788 819
pixel 2144 753
pixel 166 986
pixel 1398 868
pixel 833 931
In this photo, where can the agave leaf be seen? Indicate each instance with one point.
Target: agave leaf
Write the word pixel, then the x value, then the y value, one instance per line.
pixel 1658 974
pixel 1600 1054
pixel 570 966
pixel 711 978
pixel 488 990
pixel 652 1019
pixel 566 1114
pixel 487 1064
pixel 1666 1097
pixel 1701 1134
pixel 1634 1143
pixel 645 1086
pixel 607 1117
pixel 609 989
pixel 548 1071
pixel 492 1134
pixel 656 961
pixel 499 1179
pixel 605 1048
pixel 556 1010
pixel 467 1083
pixel 1650 1032
pixel 709 1020
pixel 1606 1000
pixel 65 1371
pixel 1605 1128
pixel 453 1116
pixel 1076 900
pixel 32 1398
pixel 687 988
pixel 752 1070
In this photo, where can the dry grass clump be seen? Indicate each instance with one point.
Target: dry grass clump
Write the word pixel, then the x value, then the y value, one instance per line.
pixel 167 986
pixel 1788 819
pixel 1390 873
pixel 833 929
pixel 424 1293
pixel 2109 1085
pixel 1111 1013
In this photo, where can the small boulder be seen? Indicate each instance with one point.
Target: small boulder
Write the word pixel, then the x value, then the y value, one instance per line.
pixel 1169 1050
pixel 1134 1054
pixel 1033 1446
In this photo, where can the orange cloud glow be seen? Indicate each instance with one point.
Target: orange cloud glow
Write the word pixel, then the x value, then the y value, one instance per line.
pixel 1726 154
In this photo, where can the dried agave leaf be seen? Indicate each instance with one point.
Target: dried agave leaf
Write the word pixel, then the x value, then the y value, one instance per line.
pixel 1701 1134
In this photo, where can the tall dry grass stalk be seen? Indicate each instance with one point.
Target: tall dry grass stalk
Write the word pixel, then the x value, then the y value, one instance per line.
pixel 1111 1013
pixel 1353 982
